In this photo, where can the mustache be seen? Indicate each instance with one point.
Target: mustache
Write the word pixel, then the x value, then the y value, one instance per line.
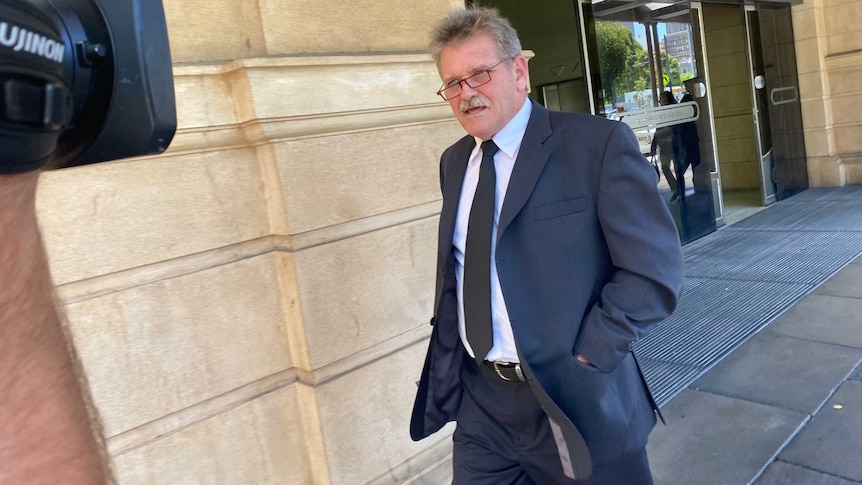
pixel 474 102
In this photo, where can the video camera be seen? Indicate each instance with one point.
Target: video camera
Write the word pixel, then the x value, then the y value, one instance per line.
pixel 83 81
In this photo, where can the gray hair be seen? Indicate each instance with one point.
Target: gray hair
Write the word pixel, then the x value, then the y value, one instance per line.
pixel 463 24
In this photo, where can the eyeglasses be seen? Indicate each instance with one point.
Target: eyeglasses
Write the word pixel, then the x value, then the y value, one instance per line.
pixel 474 81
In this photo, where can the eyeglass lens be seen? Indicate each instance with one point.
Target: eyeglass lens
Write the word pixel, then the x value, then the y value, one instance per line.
pixel 474 81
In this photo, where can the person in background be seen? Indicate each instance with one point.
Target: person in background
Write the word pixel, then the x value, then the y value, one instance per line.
pixel 665 140
pixel 686 148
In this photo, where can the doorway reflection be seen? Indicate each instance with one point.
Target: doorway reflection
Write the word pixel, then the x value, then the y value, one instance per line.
pixel 646 72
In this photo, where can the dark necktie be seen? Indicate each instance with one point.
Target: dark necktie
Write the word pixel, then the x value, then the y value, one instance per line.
pixel 477 258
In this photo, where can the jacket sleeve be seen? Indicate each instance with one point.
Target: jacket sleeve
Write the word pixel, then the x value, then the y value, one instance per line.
pixel 644 248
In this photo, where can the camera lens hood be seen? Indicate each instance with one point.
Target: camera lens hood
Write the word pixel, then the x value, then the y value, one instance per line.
pixel 83 81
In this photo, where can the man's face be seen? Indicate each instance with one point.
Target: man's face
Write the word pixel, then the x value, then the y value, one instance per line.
pixel 485 110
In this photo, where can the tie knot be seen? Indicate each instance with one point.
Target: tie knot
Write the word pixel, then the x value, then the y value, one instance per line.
pixel 489 148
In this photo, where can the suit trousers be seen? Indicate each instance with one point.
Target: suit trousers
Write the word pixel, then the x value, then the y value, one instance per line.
pixel 504 437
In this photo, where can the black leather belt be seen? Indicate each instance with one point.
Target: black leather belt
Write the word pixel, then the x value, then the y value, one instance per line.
pixel 507 371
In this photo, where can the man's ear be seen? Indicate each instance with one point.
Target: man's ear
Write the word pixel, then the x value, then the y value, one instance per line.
pixel 521 72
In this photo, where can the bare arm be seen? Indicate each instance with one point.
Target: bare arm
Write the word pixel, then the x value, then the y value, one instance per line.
pixel 45 432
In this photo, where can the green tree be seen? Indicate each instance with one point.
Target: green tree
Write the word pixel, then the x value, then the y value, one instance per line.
pixel 623 61
pixel 670 66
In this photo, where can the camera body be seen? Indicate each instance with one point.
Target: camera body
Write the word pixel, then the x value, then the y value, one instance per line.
pixel 83 81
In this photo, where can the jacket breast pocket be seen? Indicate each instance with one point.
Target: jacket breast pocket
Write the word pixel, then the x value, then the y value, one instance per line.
pixel 560 209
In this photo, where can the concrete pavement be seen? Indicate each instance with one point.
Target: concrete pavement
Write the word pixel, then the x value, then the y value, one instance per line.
pixel 783 408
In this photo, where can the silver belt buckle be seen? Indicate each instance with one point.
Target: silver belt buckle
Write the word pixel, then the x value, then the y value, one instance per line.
pixel 517 368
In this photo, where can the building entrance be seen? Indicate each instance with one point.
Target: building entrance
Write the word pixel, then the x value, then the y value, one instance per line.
pixel 758 121
pixel 709 90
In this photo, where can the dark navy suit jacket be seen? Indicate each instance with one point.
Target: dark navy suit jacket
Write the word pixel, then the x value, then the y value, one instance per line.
pixel 589 261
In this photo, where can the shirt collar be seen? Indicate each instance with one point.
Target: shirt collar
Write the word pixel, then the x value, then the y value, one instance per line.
pixel 509 138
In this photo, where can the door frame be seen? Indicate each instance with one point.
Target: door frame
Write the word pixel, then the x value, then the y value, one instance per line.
pixel 715 175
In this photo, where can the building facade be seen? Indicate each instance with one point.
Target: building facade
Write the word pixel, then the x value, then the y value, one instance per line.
pixel 252 306
pixel 677 43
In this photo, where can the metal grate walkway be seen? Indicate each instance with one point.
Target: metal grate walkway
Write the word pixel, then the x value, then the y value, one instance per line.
pixel 742 277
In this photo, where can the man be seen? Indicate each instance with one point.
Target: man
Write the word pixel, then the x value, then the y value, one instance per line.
pixel 554 258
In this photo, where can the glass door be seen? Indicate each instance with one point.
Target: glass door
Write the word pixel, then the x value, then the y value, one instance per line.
pixel 778 110
pixel 645 70
pixel 760 110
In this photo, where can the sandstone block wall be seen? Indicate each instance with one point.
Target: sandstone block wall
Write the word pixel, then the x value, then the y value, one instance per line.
pixel 829 56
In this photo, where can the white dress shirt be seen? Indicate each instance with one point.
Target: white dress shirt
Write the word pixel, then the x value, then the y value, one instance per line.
pixel 509 142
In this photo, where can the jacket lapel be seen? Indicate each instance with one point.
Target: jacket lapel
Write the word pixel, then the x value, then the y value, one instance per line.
pixel 454 168
pixel 528 167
